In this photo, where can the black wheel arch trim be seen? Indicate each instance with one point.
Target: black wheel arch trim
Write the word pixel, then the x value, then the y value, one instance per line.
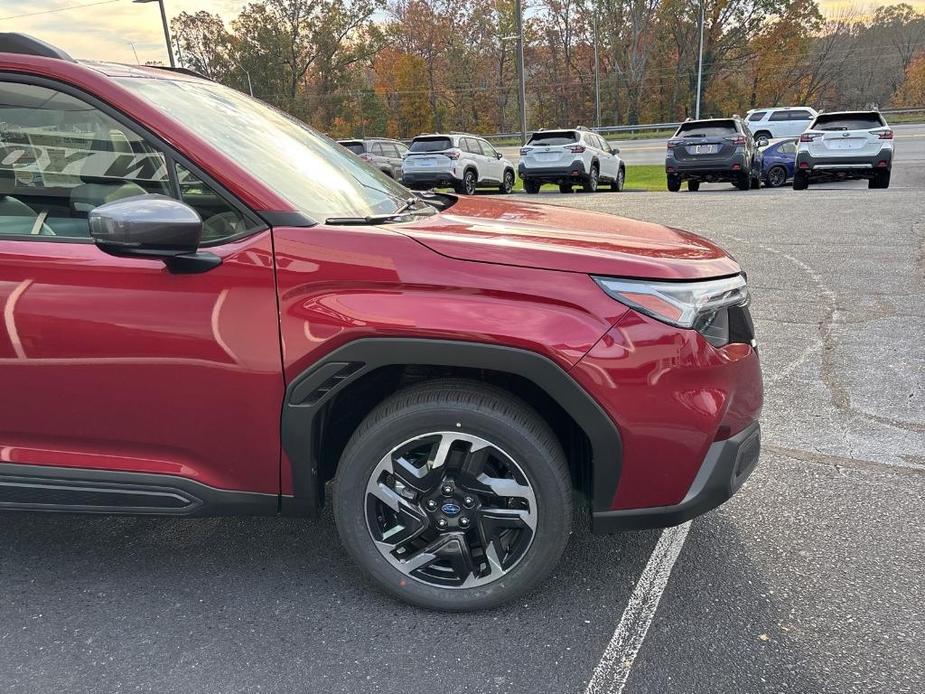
pixel 308 393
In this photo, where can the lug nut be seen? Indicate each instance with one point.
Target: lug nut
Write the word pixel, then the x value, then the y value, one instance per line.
pixel 468 502
pixel 447 489
pixel 464 522
pixel 431 505
pixel 441 523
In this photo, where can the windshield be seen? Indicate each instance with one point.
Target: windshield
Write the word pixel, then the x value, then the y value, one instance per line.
pixel 311 171
pixel 431 144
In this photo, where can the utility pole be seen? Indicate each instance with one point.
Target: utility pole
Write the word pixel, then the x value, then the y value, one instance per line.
pixel 166 29
pixel 519 19
pixel 597 75
pixel 699 64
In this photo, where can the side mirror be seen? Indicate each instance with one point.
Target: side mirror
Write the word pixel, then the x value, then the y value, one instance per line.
pixel 152 226
pixel 615 150
pixel 497 155
pixel 762 142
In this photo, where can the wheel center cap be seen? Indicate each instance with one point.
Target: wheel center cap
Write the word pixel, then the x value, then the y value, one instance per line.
pixel 451 509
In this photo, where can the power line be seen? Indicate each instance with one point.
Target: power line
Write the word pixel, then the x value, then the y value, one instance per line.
pixel 59 9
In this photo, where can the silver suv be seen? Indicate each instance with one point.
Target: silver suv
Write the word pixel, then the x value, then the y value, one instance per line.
pixel 386 155
pixel 464 162
pixel 843 146
pixel 570 157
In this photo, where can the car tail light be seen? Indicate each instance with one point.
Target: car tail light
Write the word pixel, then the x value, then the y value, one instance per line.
pixel 885 134
pixel 696 305
pixel 809 137
pixel 673 143
pixel 576 149
pixel 366 157
pixel 739 140
pixel 452 153
pixel 804 164
pixel 525 150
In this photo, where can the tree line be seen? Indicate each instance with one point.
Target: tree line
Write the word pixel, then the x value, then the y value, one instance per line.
pixel 400 67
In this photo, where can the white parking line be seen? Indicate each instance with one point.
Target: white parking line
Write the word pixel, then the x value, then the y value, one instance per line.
pixel 613 670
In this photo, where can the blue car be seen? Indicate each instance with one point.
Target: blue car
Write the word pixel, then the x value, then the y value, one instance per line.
pixel 777 162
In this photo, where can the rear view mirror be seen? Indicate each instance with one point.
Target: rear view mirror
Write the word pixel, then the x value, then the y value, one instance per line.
pixel 497 155
pixel 762 142
pixel 152 226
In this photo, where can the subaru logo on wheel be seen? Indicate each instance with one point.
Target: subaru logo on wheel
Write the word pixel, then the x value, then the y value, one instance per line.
pixel 451 509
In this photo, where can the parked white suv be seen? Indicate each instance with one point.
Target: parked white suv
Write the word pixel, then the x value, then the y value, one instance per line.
pixel 460 160
pixel 774 123
pixel 570 157
pixel 845 145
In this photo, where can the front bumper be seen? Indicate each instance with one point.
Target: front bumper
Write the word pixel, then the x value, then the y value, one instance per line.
pixel 726 466
pixel 553 174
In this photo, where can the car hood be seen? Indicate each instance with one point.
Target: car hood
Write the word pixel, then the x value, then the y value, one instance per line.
pixel 491 230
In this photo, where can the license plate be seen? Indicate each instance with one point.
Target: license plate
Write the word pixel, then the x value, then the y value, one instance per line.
pixel 547 156
pixel 847 143
pixel 703 149
pixel 429 162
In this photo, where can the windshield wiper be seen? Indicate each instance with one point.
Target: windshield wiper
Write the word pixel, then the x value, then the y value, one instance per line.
pixel 403 210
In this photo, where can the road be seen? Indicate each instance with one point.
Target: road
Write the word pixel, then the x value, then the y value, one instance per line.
pixel 809 580
pixel 909 142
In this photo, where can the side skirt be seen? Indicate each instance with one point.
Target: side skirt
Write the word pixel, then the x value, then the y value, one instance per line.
pixel 78 490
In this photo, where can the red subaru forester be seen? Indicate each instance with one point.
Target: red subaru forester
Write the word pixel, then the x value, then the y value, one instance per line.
pixel 209 308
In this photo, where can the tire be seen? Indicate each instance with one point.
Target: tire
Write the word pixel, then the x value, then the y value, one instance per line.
pixel 755 182
pixel 532 187
pixel 776 177
pixel 762 133
pixel 620 181
pixel 589 185
pixel 743 181
pixel 693 186
pixel 800 181
pixel 415 424
pixel 880 180
pixel 674 183
pixel 468 185
pixel 507 184
pixel 565 188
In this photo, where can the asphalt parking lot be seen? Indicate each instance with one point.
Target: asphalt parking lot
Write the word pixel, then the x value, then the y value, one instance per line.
pixel 809 580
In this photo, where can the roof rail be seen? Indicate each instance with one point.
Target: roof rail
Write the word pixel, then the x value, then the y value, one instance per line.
pixel 23 44
pixel 181 71
pixel 582 127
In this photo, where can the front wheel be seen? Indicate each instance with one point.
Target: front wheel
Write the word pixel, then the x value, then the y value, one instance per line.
pixel 532 187
pixel 800 180
pixel 507 183
pixel 693 186
pixel 454 495
pixel 565 188
pixel 674 183
pixel 743 181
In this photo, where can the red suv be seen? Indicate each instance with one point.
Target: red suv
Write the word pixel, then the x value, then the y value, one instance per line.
pixel 209 308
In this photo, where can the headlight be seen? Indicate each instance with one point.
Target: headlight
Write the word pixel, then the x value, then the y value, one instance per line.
pixel 695 305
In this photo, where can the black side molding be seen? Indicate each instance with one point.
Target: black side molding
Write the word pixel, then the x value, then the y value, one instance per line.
pixel 307 395
pixel 79 490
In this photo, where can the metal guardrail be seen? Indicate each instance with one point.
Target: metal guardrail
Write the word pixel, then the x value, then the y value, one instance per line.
pixel 642 127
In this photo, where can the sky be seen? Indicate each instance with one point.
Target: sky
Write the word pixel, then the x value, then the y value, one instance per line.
pixel 118 30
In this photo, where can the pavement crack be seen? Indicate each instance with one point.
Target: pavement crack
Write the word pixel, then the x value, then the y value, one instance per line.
pixel 841 462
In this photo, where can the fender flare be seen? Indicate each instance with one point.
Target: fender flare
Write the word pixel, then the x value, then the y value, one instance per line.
pixel 308 393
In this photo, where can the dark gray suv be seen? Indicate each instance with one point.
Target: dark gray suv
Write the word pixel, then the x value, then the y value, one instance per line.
pixel 386 155
pixel 712 150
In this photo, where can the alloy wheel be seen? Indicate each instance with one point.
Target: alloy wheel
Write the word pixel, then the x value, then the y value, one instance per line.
pixel 469 183
pixel 776 177
pixel 450 510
